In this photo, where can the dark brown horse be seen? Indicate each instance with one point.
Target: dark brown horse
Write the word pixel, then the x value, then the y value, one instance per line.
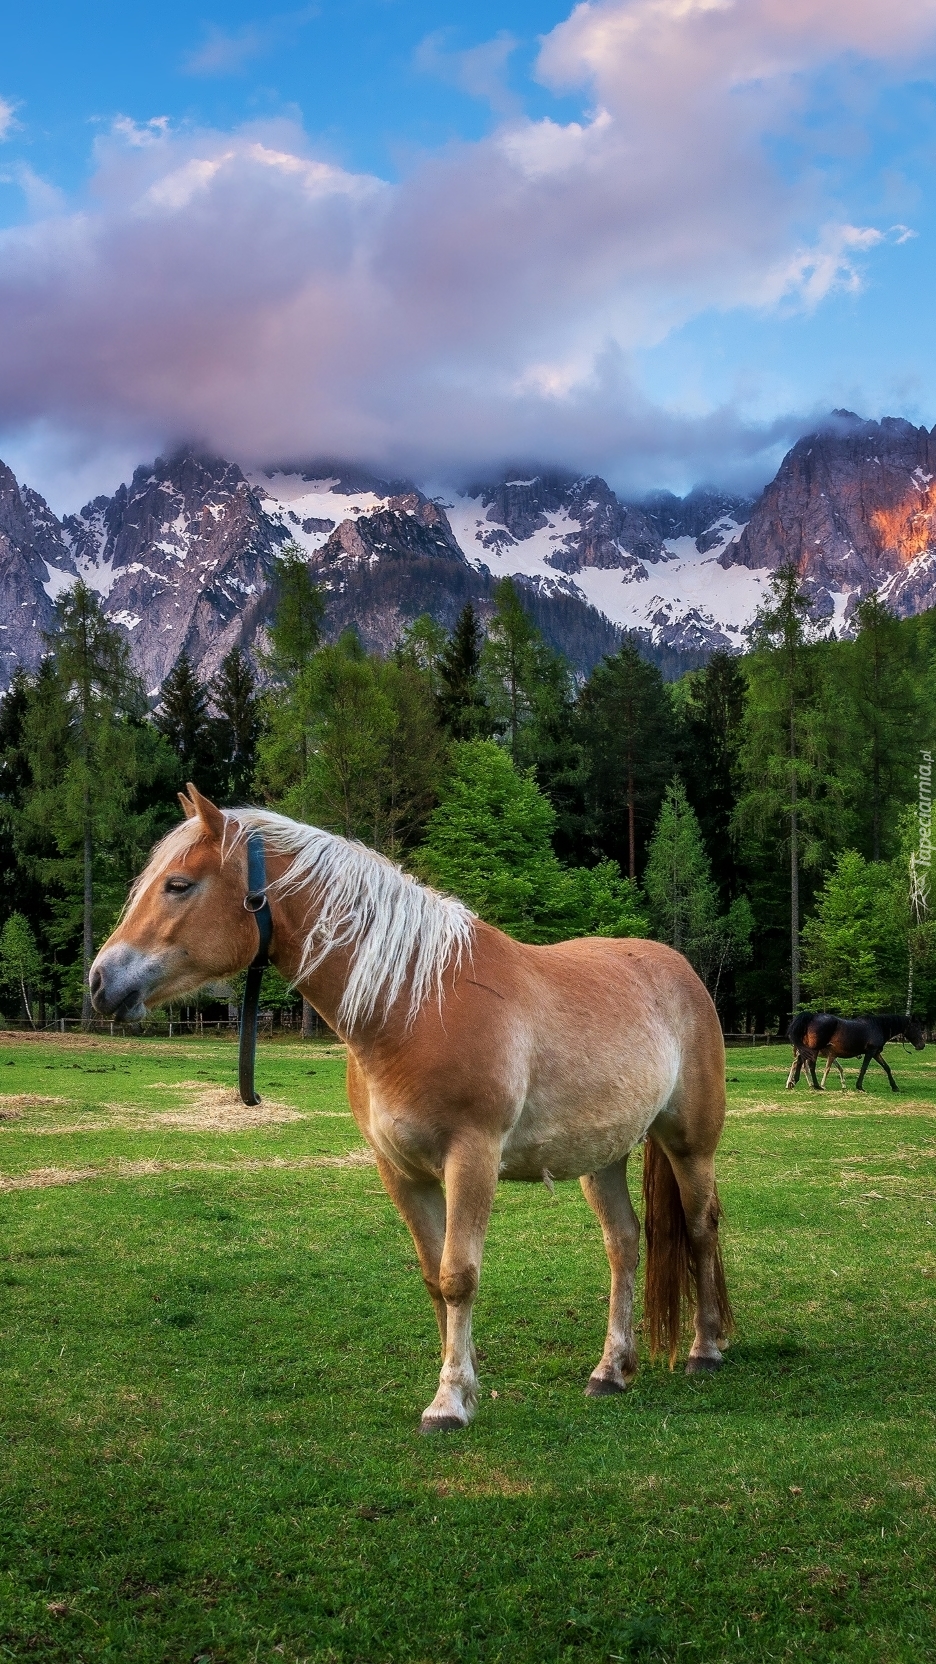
pixel 822 1034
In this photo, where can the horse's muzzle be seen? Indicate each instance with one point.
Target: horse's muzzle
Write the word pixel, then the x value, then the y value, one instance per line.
pixel 120 980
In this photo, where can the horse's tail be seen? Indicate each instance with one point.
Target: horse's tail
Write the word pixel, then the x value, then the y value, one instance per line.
pixel 670 1281
pixel 799 1026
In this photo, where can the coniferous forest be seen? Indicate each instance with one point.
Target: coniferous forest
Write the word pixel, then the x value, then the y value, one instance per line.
pixel 760 814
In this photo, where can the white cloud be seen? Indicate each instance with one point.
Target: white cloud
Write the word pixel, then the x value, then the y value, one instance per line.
pixel 7 118
pixel 240 290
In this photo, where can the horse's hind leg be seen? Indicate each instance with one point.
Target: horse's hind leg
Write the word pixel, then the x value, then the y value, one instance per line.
pixel 607 1195
pixel 832 1062
pixel 795 1071
pixel 421 1204
pixel 697 1200
pixel 470 1182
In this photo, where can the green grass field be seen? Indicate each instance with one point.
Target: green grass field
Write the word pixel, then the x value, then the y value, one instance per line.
pixel 216 1346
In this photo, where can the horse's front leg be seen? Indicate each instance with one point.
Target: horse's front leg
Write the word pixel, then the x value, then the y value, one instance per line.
pixel 607 1195
pixel 421 1204
pixel 470 1181
pixel 880 1058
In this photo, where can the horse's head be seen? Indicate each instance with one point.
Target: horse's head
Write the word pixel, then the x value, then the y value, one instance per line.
pixel 185 923
pixel 913 1031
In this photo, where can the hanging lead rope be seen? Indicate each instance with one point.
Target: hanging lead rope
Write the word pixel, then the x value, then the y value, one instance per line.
pixel 255 902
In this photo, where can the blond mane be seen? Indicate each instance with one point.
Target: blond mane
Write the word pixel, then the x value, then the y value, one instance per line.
pixel 396 928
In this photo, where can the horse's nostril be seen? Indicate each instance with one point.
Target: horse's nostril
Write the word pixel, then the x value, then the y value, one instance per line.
pixel 95 982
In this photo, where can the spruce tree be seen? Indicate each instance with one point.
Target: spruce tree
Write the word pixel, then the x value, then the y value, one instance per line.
pixel 855 944
pixel 528 687
pixel 182 719
pixel 489 841
pixel 295 631
pixel 81 743
pixel 683 898
pixel 236 729
pixel 883 731
pixel 785 742
pixel 463 708
pixel 628 733
pixel 713 712
pixel 354 746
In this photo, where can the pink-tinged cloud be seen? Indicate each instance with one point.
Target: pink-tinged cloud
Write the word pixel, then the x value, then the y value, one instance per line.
pixel 237 289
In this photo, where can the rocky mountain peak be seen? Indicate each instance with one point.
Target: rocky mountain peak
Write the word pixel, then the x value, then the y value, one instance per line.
pixel 34 563
pixel 183 556
pixel 853 505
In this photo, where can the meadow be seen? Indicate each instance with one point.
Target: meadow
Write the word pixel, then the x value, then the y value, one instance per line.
pixel 215 1347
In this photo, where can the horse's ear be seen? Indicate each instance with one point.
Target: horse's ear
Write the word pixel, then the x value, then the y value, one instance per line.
pixel 188 808
pixel 208 813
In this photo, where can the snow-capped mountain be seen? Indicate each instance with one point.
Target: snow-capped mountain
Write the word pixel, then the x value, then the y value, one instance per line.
pixel 182 557
pixel 578 539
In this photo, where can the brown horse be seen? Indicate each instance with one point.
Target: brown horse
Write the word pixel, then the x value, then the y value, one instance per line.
pixel 470 1058
pixel 815 1034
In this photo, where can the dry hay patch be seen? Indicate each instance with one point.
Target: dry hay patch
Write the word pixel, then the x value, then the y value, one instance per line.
pixel 856 1106
pixel 12 1104
pixel 40 1178
pixel 220 1109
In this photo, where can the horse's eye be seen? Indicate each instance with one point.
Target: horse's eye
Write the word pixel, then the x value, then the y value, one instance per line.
pixel 177 886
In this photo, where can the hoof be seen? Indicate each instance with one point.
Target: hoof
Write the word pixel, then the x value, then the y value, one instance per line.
pixel 442 1424
pixel 600 1386
pixel 703 1366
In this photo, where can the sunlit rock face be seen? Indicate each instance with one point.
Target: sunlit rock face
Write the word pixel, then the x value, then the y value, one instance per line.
pixel 855 508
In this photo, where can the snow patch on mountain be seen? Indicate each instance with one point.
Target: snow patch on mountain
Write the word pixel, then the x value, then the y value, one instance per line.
pixel 58 581
pixel 684 599
pixel 308 510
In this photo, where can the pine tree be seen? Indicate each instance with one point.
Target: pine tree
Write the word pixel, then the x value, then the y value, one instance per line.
pixel 296 629
pixel 17 879
pixel 354 746
pixel 527 686
pixel 422 646
pixel 237 726
pixel 683 898
pixel 883 733
pixel 490 842
pixel 463 708
pixel 82 748
pixel 713 712
pixel 785 742
pixel 628 733
pixel 182 719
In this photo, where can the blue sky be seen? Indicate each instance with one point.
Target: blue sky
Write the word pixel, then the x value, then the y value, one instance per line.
pixel 656 238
